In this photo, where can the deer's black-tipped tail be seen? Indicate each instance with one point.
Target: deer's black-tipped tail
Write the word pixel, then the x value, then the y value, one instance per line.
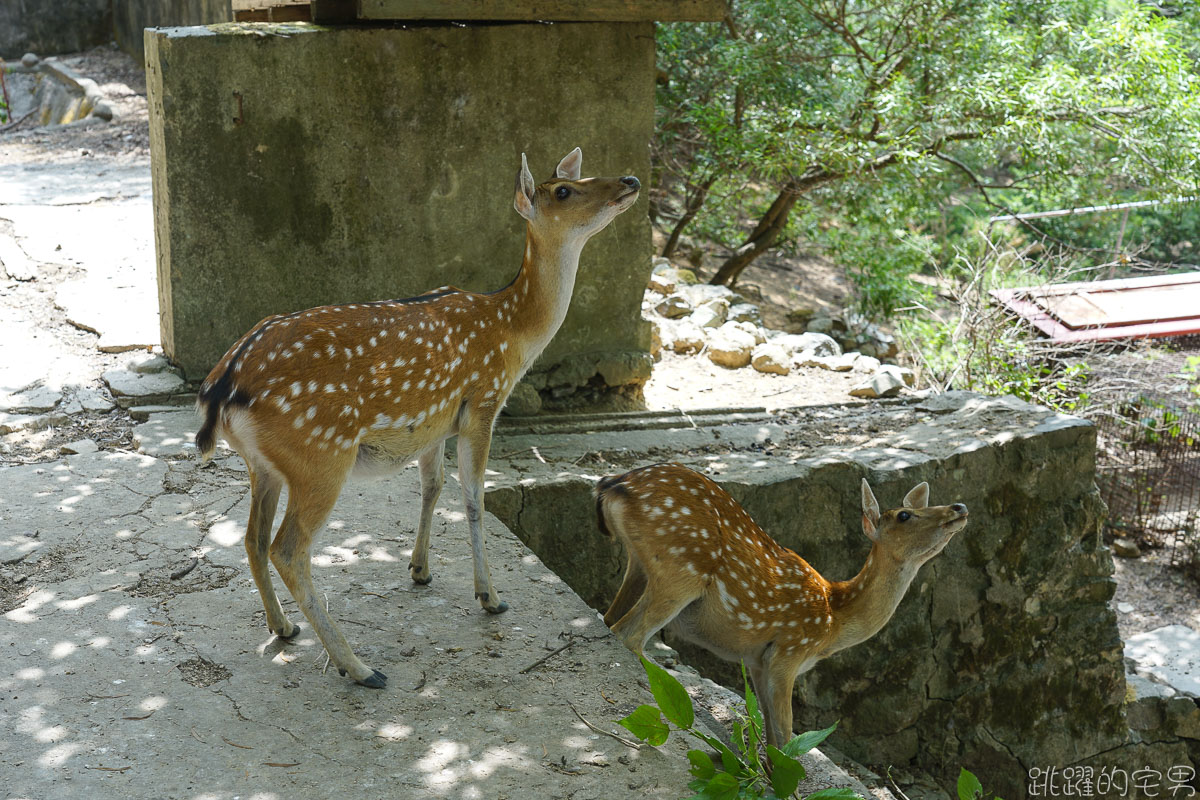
pixel 206 437
pixel 610 486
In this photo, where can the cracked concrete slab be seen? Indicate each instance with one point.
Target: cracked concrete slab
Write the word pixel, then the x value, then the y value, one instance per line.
pixel 139 665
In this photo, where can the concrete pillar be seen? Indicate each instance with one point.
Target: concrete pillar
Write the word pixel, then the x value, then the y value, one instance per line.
pixel 296 165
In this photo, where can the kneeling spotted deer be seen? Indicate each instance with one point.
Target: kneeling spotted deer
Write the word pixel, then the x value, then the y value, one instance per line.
pixel 699 564
pixel 311 397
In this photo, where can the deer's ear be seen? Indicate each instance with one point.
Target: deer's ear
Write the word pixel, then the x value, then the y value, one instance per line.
pixel 870 512
pixel 570 165
pixel 918 497
pixel 523 199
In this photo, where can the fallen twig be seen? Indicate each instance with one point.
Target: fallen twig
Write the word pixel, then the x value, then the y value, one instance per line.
pixel 110 769
pixel 546 658
pixel 622 740
pixel 235 744
pixel 179 573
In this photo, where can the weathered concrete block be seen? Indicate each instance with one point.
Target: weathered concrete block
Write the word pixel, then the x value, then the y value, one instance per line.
pixel 296 165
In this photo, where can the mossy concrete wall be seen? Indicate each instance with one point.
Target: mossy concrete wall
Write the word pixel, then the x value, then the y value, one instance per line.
pixel 130 18
pixel 296 165
pixel 1004 655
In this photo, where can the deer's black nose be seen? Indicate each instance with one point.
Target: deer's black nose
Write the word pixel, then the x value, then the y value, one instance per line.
pixel 959 507
pixel 631 182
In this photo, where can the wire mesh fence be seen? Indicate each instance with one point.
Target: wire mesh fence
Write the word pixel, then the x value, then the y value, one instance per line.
pixel 1148 451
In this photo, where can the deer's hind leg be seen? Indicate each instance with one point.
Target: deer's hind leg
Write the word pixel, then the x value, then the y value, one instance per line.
pixel 632 586
pixel 659 603
pixel 265 487
pixel 291 553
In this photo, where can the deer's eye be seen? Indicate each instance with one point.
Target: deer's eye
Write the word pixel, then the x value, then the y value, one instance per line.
pixel 903 516
pixel 562 193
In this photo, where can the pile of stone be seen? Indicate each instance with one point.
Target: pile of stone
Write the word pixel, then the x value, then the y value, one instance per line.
pixel 717 322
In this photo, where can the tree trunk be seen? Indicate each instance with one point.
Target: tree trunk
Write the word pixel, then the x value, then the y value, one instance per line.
pixel 691 208
pixel 765 234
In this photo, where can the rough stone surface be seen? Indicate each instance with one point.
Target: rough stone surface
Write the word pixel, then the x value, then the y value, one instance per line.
pixel 903 373
pixel 710 314
pixel 881 384
pixel 91 399
pixel 674 307
pixel 523 402
pixel 53 27
pixel 124 383
pixel 807 345
pixel 34 400
pixel 135 652
pixel 730 346
pixel 771 357
pixel 1126 548
pixel 372 182
pixel 745 312
pixel 81 447
pixel 688 338
pixel 1169 655
pixel 1005 652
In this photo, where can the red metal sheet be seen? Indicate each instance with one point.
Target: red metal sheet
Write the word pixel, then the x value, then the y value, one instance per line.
pixel 1156 306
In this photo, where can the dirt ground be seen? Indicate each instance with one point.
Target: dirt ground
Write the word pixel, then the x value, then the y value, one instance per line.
pixel 1156 594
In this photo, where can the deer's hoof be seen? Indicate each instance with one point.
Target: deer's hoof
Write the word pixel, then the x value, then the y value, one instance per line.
pixel 288 634
pixel 498 608
pixel 376 680
pixel 421 576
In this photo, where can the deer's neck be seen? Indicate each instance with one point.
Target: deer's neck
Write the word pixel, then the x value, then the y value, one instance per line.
pixel 541 292
pixel 865 603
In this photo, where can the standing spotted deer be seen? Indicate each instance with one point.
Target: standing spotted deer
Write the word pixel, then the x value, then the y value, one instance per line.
pixel 309 398
pixel 699 564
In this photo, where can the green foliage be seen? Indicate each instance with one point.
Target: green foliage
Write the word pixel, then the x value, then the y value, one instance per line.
pixel 935 108
pixel 969 787
pixel 741 772
pixel 971 343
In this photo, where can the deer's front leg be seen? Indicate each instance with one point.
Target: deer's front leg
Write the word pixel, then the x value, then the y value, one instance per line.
pixel 431 464
pixel 473 450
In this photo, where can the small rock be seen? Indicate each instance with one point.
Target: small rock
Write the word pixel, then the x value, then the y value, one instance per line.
pixel 700 293
pixel 82 447
pixel 711 314
pixel 903 373
pixel 93 400
pixel 826 325
pixel 865 363
pixel 838 363
pixel 745 312
pixel 772 358
pixel 758 333
pixel 730 346
pixel 523 402
pixel 1126 548
pixel 674 307
pixel 1125 608
pixel 881 384
pixel 30 60
pixel 35 400
pixel 122 382
pixel 145 363
pixel 804 345
pixel 800 317
pixel 689 338
pixel 662 282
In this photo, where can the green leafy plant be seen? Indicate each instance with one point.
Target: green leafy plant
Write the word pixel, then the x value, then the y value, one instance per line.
pixel 969 787
pixel 739 771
